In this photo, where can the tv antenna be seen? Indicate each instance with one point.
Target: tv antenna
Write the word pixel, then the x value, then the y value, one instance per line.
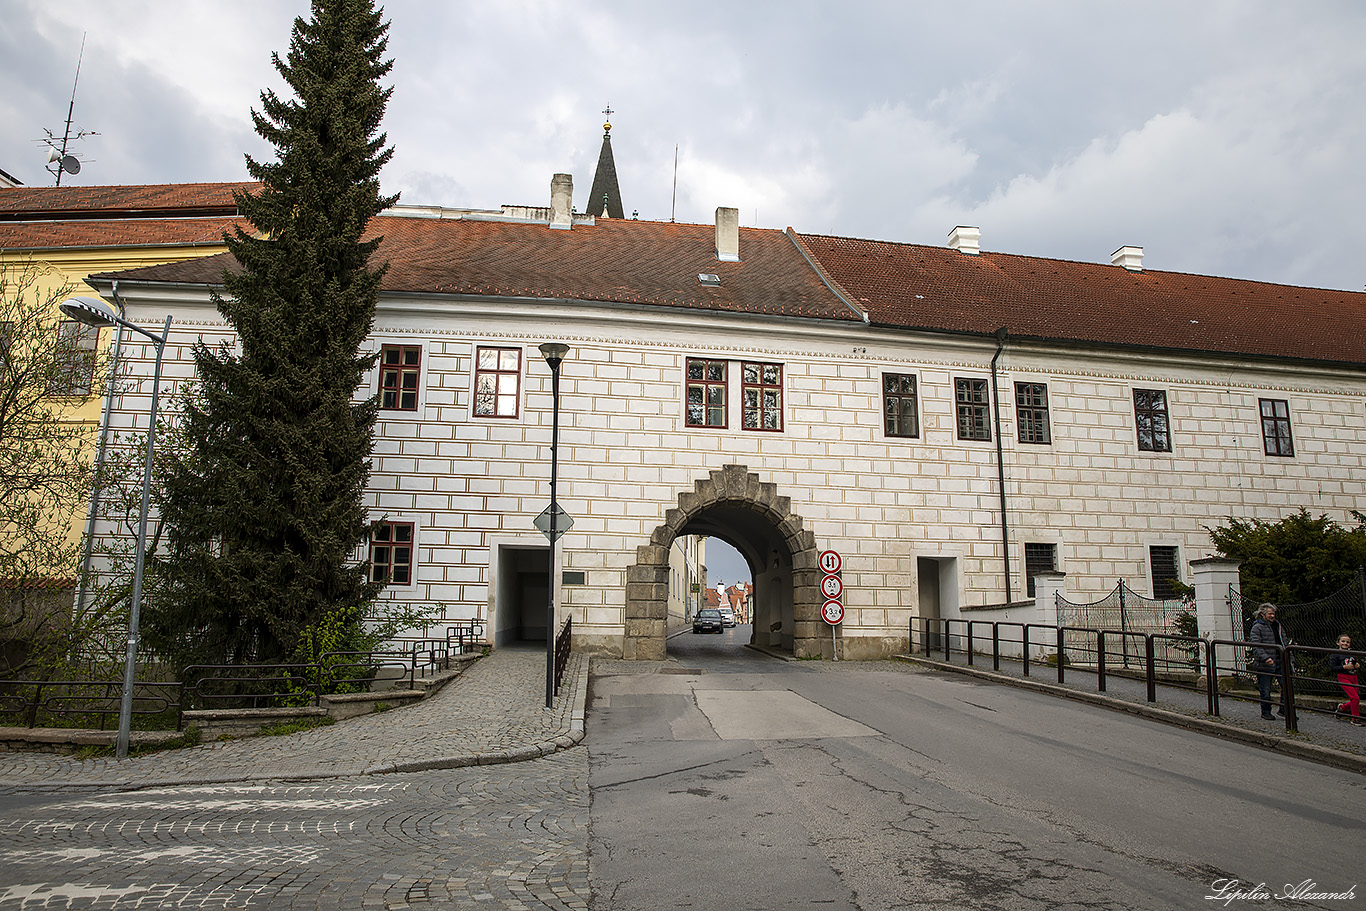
pixel 59 161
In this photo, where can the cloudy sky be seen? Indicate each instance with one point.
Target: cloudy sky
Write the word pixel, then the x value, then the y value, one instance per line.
pixel 1223 137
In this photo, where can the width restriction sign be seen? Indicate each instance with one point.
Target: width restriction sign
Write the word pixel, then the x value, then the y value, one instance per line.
pixel 832 612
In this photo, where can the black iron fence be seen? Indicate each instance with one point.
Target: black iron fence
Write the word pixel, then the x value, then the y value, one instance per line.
pixel 562 644
pixel 94 704
pixel 1128 611
pixel 87 704
pixel 465 636
pixel 1219 669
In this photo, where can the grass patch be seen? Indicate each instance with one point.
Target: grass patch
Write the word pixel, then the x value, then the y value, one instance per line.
pixel 189 738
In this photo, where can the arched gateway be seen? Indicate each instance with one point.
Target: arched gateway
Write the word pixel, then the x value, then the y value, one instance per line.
pixel 735 505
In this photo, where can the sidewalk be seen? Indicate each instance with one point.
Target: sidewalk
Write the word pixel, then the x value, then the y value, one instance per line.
pixel 494 712
pixel 1320 738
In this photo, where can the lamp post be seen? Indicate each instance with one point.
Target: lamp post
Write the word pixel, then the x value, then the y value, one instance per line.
pixel 94 312
pixel 554 353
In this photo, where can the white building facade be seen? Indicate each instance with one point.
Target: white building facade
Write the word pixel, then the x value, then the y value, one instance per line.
pixel 939 462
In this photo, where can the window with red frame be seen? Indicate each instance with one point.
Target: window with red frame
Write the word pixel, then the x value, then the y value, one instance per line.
pixel 75 370
pixel 761 396
pixel 391 553
pixel 706 393
pixel 400 376
pixel 497 382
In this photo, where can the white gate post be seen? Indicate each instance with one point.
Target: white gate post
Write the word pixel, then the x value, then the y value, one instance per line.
pixel 1047 586
pixel 1213 575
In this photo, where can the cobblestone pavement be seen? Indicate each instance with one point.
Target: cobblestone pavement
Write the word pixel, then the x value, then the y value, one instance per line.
pixel 424 806
pixel 494 712
pixel 508 836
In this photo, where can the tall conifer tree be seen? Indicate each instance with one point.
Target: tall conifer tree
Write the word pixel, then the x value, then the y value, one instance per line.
pixel 264 515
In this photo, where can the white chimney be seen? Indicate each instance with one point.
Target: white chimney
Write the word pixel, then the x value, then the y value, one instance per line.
pixel 562 201
pixel 1130 258
pixel 964 240
pixel 727 235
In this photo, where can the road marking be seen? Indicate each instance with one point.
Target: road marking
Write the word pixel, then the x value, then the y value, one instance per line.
pixel 773 715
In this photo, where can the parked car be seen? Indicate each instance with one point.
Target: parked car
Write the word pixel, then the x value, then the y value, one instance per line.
pixel 708 620
pixel 728 616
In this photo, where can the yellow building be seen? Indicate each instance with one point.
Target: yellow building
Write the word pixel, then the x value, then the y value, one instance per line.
pixel 63 234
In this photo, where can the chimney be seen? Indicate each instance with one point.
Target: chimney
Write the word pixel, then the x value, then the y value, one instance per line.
pixel 1130 258
pixel 727 235
pixel 964 240
pixel 561 201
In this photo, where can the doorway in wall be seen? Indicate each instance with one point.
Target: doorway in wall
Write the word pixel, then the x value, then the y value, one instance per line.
pixel 521 595
pixel 751 516
pixel 937 580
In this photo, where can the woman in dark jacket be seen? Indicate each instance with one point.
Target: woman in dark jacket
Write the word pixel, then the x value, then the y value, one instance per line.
pixel 1266 659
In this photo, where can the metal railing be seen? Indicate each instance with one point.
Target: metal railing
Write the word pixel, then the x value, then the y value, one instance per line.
pixel 1097 652
pixel 59 702
pixel 465 636
pixel 562 648
pixel 47 703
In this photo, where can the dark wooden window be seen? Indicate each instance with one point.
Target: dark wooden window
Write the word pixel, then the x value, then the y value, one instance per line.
pixel 1166 571
pixel 75 369
pixel 400 377
pixel 974 409
pixel 900 405
pixel 1276 427
pixel 761 396
pixel 706 393
pixel 391 553
pixel 497 382
pixel 1150 416
pixel 1031 413
pixel 1038 558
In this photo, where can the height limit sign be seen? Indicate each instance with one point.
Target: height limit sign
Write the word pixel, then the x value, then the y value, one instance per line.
pixel 832 612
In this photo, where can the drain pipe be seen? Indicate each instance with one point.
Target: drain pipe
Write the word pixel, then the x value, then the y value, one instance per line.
pixel 95 480
pixel 1000 457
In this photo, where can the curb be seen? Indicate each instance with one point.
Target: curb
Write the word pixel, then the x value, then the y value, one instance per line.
pixel 1350 762
pixel 576 691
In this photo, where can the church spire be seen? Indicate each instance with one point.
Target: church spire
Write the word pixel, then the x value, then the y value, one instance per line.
pixel 605 197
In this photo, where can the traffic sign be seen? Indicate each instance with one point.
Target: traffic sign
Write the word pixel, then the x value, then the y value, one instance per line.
pixel 831 586
pixel 830 562
pixel 832 612
pixel 563 522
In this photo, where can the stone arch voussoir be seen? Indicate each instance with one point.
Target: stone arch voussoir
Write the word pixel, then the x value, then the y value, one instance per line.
pixel 647 580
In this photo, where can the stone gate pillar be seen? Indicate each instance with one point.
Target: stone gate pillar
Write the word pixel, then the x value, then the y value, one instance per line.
pixel 1048 585
pixel 1213 575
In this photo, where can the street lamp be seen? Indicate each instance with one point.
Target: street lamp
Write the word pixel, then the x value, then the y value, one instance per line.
pixel 94 312
pixel 554 353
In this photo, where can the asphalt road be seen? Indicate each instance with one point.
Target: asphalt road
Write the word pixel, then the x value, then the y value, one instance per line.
pixel 740 781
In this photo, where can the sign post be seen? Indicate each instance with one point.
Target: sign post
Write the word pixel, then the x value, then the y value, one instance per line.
pixel 832 612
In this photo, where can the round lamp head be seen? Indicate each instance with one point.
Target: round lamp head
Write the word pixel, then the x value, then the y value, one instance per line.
pixel 554 352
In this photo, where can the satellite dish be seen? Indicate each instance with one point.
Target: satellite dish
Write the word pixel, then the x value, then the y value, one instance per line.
pixel 70 165
pixel 52 155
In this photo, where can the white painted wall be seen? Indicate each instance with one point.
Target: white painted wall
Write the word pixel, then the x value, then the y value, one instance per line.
pixel 626 454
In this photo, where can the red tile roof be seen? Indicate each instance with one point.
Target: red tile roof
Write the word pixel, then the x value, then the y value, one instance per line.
pixel 901 286
pixel 41 235
pixel 939 289
pixel 617 261
pixel 27 203
pixel 36 218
